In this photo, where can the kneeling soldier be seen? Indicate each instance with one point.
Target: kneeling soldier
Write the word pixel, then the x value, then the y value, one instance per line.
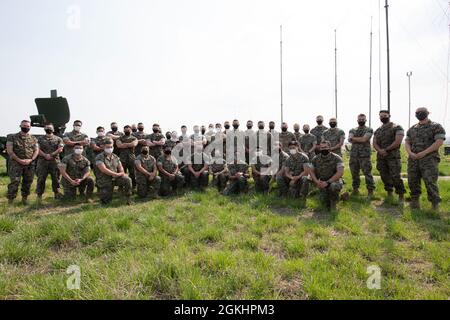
pixel 75 169
pixel 326 171
pixel 238 180
pixel 147 179
pixel 198 168
pixel 296 172
pixel 171 178
pixel 261 164
pixel 111 174
pixel 219 170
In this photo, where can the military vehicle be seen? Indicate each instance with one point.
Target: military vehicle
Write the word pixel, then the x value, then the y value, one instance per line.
pixel 54 109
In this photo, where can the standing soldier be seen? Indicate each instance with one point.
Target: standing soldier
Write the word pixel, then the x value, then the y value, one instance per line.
pixel 114 134
pixel 335 136
pixel 286 137
pixel 126 145
pixel 156 141
pixel 318 130
pixel 296 173
pixel 75 170
pixel 327 169
pixel 297 132
pixel 238 179
pixel 280 175
pixel 387 141
pixel 22 149
pixel 198 168
pixel 261 164
pixel 111 174
pixel 219 170
pixel 147 179
pixel 171 178
pixel 172 141
pixel 308 142
pixel 50 147
pixel 423 141
pixel 249 136
pixel 141 137
pixel 134 129
pixel 75 137
pixel 360 154
pixel 97 146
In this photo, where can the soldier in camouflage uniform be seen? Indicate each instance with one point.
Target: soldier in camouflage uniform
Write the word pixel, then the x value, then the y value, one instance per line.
pixel 335 136
pixel 114 134
pixel 97 147
pixel 308 142
pixel 295 180
pixel 50 147
pixel 219 170
pixel 280 174
pixel 423 141
pixel 126 145
pixel 387 141
pixel 156 141
pixel 75 137
pixel 111 174
pixel 360 154
pixel 261 164
pixel 198 168
pixel 147 179
pixel 172 141
pixel 171 178
pixel 286 137
pixel 327 169
pixel 318 130
pixel 22 149
pixel 75 169
pixel 297 132
pixel 141 136
pixel 238 176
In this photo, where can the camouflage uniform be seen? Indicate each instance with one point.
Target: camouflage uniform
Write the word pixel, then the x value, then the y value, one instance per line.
pixel 76 169
pixel 198 161
pixel 127 157
pixel 170 144
pixel 334 135
pixel 48 144
pixel 145 187
pixel 325 167
pixel 318 131
pixel 296 164
pixel 99 142
pixel 285 138
pixel 155 151
pixel 307 141
pixel 298 135
pixel 421 137
pixel 262 180
pixel 360 157
pixel 24 146
pixel 74 137
pixel 221 180
pixel 140 135
pixel 106 183
pixel 390 166
pixel 237 185
pixel 170 165
pixel 117 133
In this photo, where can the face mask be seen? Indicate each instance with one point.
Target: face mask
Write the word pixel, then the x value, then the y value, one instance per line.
pixel 284 129
pixel 361 123
pixel 325 152
pixel 293 151
pixel 183 131
pixel 422 115
pixel 211 129
pixel 155 130
pixel 333 124
pixel 141 129
pixel 109 150
pixel 114 129
pixel 100 134
pixel 217 129
pixel 48 131
pixel 306 131
pixel 203 131
pixel 261 127
pixel 168 136
pixel 384 120
pixel 249 127
pixel 167 152
pixel 271 127
pixel 319 122
pixel 134 130
pixel 78 151
pixel 235 126
pixel 296 130
pixel 76 128
pixel 145 152
pixel 127 133
pixel 227 126
pixel 25 130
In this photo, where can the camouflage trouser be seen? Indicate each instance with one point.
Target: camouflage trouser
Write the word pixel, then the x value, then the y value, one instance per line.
pixel 16 173
pixel 365 164
pixel 106 188
pixel 262 182
pixel 184 170
pixel 292 188
pixel 146 187
pixel 201 181
pixel 43 169
pixel 128 167
pixel 168 186
pixel 236 186
pixel 220 181
pixel 427 169
pixel 390 170
pixel 331 193
pixel 86 187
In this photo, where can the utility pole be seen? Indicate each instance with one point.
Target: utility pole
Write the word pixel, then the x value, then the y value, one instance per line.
pixel 388 58
pixel 370 77
pixel 409 74
pixel 379 54
pixel 335 75
pixel 281 70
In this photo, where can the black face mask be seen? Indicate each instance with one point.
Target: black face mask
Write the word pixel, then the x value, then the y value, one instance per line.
pixel 422 115
pixel 284 129
pixel 25 130
pixel 167 152
pixel 362 123
pixel 114 129
pixel 127 133
pixel 203 131
pixel 249 127
pixel 261 127
pixel 141 129
pixel 134 130
pixel 227 126
pixel 168 136
pixel 48 131
pixel 155 130
pixel 145 152
pixel 306 131
pixel 271 127
pixel 384 120
pixel 235 126
pixel 297 130
pixel 319 122
pixel 333 125
pixel 325 152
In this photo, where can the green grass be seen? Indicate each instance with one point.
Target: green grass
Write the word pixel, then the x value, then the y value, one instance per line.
pixel 207 246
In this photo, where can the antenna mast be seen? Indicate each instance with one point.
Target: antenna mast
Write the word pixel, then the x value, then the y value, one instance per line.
pixel 335 75
pixel 370 77
pixel 388 58
pixel 281 70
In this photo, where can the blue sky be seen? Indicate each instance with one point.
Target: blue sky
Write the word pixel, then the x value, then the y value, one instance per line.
pixel 200 62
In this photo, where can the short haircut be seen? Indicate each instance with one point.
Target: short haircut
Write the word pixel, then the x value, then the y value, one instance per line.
pixel 156 125
pixel 108 141
pixel 25 121
pixel 183 126
pixel 361 115
pixel 78 121
pixel 293 143
pixel 140 124
pixel 77 145
pixel 100 128
pixel 113 123
pixel 385 111
pixel 127 127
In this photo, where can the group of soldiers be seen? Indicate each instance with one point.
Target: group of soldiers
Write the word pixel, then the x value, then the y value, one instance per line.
pixel 157 164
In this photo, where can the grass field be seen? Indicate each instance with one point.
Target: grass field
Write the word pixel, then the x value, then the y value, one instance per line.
pixel 207 246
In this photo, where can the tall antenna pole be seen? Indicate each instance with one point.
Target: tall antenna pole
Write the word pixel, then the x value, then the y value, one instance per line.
pixel 370 77
pixel 335 75
pixel 281 70
pixel 388 58
pixel 379 53
pixel 409 74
